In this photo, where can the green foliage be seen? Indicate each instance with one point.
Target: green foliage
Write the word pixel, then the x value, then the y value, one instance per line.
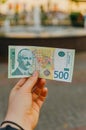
pixel 75 0
pixel 3 1
pixel 77 19
pixel 43 16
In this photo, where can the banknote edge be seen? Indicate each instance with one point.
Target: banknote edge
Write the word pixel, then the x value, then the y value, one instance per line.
pixel 10 76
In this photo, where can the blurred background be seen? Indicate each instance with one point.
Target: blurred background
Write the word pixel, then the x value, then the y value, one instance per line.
pixel 51 23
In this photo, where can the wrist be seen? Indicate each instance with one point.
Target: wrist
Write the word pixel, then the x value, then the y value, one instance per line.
pixel 18 122
pixel 9 124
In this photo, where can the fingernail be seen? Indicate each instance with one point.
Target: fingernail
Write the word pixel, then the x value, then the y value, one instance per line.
pixel 35 74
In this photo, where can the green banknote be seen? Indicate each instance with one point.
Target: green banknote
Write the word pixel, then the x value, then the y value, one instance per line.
pixel 52 63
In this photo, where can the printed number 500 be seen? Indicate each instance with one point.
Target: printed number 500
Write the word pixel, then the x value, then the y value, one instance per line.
pixel 61 75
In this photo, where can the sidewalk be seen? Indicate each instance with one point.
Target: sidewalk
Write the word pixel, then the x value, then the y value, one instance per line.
pixel 65 106
pixel 42 32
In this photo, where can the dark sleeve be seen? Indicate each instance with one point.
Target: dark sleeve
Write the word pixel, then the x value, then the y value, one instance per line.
pixel 8 128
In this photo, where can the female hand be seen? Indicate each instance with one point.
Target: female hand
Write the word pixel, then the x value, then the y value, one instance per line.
pixel 26 100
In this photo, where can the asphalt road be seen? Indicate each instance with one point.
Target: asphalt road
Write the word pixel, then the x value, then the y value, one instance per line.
pixel 65 106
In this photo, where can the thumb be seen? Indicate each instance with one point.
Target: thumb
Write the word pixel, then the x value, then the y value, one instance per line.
pixel 30 82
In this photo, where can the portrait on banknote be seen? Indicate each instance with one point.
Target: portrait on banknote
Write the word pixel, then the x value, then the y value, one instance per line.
pixel 25 61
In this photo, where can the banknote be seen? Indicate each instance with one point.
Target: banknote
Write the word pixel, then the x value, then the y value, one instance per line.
pixel 51 63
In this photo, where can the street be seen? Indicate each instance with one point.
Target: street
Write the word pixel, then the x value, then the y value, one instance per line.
pixel 65 106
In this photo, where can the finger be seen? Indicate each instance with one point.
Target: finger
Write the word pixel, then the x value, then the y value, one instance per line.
pixel 36 94
pixel 39 85
pixel 29 84
pixel 40 100
pixel 38 88
pixel 20 83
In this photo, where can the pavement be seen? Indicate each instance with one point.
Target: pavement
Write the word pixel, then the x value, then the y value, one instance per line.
pixel 65 106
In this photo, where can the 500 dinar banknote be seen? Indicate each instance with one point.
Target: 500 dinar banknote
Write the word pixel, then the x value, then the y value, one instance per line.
pixel 52 63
